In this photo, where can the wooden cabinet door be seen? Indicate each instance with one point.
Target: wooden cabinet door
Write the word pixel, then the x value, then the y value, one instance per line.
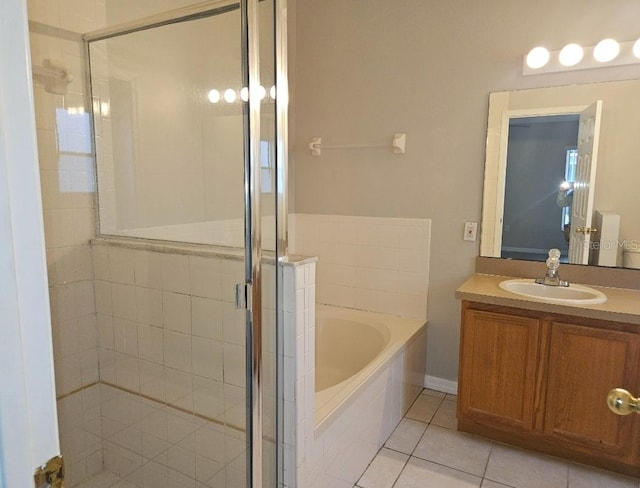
pixel 584 364
pixel 499 354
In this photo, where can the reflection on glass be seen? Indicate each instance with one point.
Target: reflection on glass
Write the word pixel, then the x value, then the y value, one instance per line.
pixel 169 156
pixel 75 159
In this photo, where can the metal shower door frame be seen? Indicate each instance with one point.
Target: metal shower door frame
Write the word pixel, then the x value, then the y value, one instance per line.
pixel 252 172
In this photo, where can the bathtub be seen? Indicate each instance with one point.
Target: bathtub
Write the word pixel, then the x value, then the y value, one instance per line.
pixel 351 348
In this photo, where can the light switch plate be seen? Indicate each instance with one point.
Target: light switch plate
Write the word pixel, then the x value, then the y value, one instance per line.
pixel 470 231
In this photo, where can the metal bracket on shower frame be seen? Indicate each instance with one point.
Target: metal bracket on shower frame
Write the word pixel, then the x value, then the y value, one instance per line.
pixel 243 296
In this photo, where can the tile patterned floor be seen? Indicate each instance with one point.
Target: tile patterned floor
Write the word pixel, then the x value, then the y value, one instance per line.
pixel 426 451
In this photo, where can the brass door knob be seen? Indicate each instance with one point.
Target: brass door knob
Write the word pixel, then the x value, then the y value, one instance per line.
pixel 586 230
pixel 621 402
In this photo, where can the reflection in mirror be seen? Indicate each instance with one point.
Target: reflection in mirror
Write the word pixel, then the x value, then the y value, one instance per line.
pixel 541 154
pixel 560 172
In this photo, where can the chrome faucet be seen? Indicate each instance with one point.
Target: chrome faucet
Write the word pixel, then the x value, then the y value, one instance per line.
pixel 552 278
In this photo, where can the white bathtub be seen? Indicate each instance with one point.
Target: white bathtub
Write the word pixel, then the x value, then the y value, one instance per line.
pixel 352 346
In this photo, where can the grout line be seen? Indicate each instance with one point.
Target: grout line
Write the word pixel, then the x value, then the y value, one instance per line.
pixel 180 409
pixel 401 471
pixel 484 472
pixel 77 390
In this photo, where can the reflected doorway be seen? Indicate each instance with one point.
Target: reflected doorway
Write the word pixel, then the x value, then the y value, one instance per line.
pixel 541 156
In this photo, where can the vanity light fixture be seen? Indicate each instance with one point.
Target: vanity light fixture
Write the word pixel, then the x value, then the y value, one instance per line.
pixel 636 49
pixel 606 50
pixel 213 96
pixel 606 53
pixel 571 54
pixel 230 95
pixel 538 57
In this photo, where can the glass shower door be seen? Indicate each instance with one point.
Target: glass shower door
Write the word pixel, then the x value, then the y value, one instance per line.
pixel 184 191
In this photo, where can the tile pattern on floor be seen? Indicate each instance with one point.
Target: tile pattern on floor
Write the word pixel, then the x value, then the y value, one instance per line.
pixel 148 444
pixel 426 451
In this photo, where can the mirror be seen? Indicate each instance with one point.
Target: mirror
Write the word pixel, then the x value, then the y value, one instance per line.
pixel 562 164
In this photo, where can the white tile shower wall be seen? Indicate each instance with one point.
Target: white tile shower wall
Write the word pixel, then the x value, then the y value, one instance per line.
pixel 169 330
pixel 368 263
pixel 172 366
pixel 299 364
pixel 68 185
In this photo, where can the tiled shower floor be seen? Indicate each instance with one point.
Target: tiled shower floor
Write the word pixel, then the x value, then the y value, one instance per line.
pixel 152 445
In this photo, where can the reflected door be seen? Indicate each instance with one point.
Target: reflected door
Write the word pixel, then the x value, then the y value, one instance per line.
pixel 583 190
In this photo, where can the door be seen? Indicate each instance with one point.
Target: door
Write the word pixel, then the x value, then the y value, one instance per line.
pixel 584 186
pixel 583 364
pixel 28 427
pixel 197 158
pixel 498 369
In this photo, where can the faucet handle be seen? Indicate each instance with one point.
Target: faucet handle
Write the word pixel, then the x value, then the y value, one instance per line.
pixel 553 261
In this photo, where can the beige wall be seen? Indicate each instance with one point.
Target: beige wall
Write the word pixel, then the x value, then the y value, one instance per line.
pixel 365 70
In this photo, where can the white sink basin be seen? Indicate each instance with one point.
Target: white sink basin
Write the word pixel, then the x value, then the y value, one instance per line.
pixel 568 295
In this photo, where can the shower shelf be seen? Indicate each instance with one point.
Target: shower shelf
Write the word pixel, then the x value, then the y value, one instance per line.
pixel 398 144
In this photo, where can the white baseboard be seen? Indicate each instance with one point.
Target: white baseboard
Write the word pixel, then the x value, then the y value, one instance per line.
pixel 440 384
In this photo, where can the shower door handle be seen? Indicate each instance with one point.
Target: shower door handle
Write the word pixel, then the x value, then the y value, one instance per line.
pixel 243 296
pixel 621 402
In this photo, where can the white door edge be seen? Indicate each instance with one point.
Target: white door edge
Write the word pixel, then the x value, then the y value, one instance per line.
pixel 28 422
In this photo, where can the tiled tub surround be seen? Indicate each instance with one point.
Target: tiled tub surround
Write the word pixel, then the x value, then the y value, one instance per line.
pixel 369 263
pixel 172 362
pixel 333 451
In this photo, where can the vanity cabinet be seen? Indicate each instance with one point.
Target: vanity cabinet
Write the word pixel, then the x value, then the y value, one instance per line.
pixel 540 381
pixel 498 372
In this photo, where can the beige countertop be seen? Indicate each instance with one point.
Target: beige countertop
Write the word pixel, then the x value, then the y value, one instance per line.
pixel 622 305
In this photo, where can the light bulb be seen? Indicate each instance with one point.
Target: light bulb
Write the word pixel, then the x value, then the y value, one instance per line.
pixel 272 92
pixel 244 94
pixel 537 57
pixel 229 95
pixel 213 96
pixel 636 49
pixel 570 55
pixel 606 50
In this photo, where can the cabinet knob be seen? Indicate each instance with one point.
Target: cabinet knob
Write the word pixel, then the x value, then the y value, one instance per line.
pixel 621 402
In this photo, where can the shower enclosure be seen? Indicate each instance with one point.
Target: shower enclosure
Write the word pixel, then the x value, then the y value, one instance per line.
pixel 189 135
